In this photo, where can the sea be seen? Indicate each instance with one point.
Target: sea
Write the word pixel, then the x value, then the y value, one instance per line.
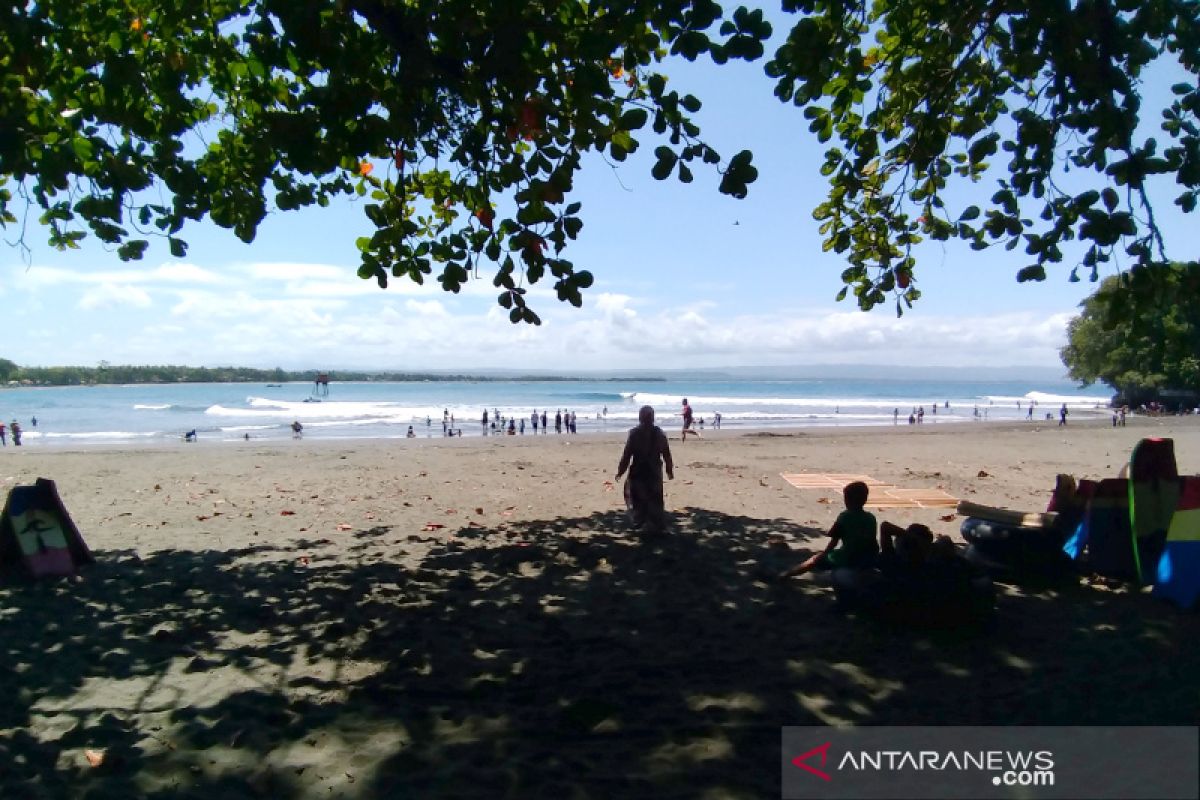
pixel 155 414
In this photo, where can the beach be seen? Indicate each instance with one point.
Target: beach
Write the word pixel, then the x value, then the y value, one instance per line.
pixel 472 617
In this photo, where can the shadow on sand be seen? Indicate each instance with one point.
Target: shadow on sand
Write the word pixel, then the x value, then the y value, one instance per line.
pixel 558 658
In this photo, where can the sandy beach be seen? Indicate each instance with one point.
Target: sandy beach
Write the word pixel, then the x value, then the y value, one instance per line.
pixel 472 618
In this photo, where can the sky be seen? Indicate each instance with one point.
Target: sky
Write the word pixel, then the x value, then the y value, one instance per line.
pixel 685 278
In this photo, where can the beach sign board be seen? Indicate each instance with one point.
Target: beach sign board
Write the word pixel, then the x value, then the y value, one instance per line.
pixel 37 535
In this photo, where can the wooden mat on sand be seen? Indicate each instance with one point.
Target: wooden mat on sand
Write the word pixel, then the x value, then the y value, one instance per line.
pixel 883 495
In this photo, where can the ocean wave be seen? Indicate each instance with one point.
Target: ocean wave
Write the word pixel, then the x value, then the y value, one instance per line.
pixel 151 406
pixel 326 409
pixel 94 435
pixel 1043 398
pixel 703 402
pixel 598 397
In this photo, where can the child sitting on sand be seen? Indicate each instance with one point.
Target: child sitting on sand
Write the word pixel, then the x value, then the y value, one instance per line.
pixel 852 540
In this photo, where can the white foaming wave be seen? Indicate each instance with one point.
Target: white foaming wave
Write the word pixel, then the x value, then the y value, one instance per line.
pixel 151 407
pixel 262 402
pixel 326 409
pixel 704 402
pixel 1044 398
pixel 231 428
pixel 94 435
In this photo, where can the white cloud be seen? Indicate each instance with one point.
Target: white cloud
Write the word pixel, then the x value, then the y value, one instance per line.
pixel 112 296
pixel 295 271
pixel 429 308
pixel 301 316
pixel 611 303
pixel 174 272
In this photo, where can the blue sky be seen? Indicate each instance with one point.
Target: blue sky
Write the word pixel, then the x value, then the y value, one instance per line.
pixel 685 277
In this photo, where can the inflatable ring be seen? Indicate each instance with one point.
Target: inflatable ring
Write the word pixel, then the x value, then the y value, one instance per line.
pixel 1000 548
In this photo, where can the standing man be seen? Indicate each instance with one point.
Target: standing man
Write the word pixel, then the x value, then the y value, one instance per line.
pixel 1062 415
pixel 534 419
pixel 687 422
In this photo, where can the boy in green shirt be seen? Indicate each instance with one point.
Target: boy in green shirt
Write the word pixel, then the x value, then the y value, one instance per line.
pixel 852 539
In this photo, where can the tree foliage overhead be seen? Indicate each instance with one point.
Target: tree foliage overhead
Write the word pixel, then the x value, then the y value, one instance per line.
pixel 1161 350
pixel 438 112
pixel 918 95
pixel 462 123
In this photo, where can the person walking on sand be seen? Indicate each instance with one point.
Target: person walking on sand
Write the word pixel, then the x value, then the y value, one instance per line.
pixel 687 422
pixel 15 428
pixel 558 421
pixel 544 428
pixel 534 419
pixel 3 435
pixel 646 454
pixel 1062 415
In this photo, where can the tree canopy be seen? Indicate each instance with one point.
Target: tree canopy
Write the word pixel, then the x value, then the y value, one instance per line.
pixel 463 123
pixel 1161 350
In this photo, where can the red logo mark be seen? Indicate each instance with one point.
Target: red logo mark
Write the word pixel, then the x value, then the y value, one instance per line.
pixel 823 750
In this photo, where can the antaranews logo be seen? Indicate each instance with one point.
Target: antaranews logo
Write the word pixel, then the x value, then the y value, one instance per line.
pixel 1006 767
pixel 988 762
pixel 801 761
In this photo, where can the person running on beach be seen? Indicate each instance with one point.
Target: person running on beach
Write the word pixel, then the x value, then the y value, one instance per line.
pixel 687 422
pixel 297 428
pixel 852 541
pixel 646 454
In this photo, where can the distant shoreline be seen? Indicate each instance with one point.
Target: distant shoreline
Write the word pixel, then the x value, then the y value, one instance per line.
pixel 350 378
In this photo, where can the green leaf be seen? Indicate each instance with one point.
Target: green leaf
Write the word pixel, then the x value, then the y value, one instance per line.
pixel 634 119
